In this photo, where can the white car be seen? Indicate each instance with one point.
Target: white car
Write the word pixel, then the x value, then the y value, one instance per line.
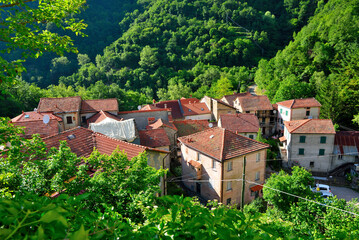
pixel 323 189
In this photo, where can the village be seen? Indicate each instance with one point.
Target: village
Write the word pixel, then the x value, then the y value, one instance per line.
pixel 208 145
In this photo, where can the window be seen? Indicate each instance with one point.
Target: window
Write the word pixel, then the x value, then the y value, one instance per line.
pixel 229 186
pixel 230 166
pixel 263 120
pixel 307 113
pixel 229 112
pixel 281 110
pixel 72 136
pixel 301 151
pixel 258 157
pixel 323 139
pixel 69 120
pixel 321 152
pixel 229 200
pixel 83 119
pixel 311 164
pixel 248 111
pixel 340 157
pixel 286 113
pixel 213 164
pixel 251 136
pixel 302 139
pixel 257 176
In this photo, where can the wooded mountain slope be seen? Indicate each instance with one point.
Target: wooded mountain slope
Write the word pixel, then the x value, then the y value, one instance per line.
pixel 321 61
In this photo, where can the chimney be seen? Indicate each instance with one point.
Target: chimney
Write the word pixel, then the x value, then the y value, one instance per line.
pixel 189 102
pixel 154 101
pixel 165 105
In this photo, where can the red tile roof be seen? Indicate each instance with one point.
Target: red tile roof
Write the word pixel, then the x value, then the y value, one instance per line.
pixel 151 110
pixel 34 116
pixel 100 116
pixel 230 98
pixel 97 105
pixel 149 107
pixel 221 144
pixel 194 108
pixel 82 141
pixel 324 126
pixel 220 101
pixel 159 123
pixel 347 138
pixel 33 123
pixel 300 103
pixel 255 103
pixel 187 127
pixel 67 104
pixel 174 105
pixel 241 123
pixel 154 138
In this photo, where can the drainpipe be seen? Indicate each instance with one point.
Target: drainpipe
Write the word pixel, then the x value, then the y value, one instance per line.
pixel 243 181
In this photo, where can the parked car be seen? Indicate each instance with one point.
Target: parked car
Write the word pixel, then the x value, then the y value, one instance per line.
pixel 323 189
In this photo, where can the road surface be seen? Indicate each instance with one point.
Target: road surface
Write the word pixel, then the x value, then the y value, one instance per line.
pixel 344 193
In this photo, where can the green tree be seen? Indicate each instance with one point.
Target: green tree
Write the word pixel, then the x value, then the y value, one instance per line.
pixel 21 29
pixel 297 184
pixel 149 58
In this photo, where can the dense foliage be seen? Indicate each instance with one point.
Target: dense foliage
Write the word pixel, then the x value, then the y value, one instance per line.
pixel 166 50
pixel 322 61
pixel 22 27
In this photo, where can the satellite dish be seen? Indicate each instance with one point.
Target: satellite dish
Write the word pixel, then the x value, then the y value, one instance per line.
pixel 139 107
pixel 46 119
pixel 210 125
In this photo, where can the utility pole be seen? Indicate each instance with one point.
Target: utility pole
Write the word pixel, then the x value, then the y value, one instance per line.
pixel 243 181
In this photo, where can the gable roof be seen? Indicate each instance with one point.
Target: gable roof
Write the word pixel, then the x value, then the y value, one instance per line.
pixel 324 126
pixel 255 103
pixel 33 123
pixel 154 138
pixel 96 105
pixel 34 116
pixel 187 127
pixel 82 141
pixel 60 105
pixel 159 123
pixel 100 116
pixel 230 98
pixel 241 122
pixel 192 106
pixel 221 144
pixel 174 105
pixel 347 142
pixel 300 103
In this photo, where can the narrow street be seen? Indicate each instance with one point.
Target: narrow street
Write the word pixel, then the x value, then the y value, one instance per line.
pixel 344 193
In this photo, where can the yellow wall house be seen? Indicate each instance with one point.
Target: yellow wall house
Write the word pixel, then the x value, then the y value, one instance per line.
pixel 213 163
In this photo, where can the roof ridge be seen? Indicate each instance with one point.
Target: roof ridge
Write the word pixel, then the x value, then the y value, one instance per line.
pixel 292 103
pixel 300 125
pixel 253 140
pixel 131 144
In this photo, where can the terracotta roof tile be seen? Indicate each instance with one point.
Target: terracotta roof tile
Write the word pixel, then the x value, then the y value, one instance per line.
pixel 192 106
pixel 82 142
pixel 255 103
pixel 241 123
pixel 100 116
pixel 310 126
pixel 159 123
pixel 230 98
pixel 154 138
pixel 34 116
pixel 33 123
pixel 300 103
pixel 97 105
pixel 149 107
pixel 187 127
pixel 67 104
pixel 345 139
pixel 221 144
pixel 174 105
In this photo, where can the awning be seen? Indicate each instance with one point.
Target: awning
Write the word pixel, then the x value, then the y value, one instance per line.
pixel 283 139
pixel 256 188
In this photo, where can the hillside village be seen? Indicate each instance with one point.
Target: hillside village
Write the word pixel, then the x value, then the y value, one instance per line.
pixel 211 142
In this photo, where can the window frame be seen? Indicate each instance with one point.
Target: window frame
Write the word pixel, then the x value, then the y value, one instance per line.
pixel 321 152
pixel 258 159
pixel 69 118
pixel 323 139
pixel 229 166
pixel 213 164
pixel 302 139
pixel 258 176
pixel 229 186
pixel 301 151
